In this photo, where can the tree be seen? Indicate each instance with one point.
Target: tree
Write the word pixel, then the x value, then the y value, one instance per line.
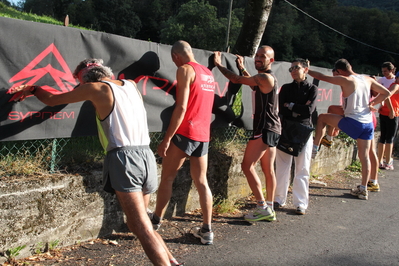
pixel 197 23
pixel 117 17
pixel 254 24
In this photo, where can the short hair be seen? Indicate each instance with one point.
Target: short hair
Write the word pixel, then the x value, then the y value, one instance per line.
pixel 92 70
pixel 269 50
pixel 181 47
pixel 342 64
pixel 303 62
pixel 388 65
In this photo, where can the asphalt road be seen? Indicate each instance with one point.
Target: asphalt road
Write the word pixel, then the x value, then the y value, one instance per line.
pixel 338 229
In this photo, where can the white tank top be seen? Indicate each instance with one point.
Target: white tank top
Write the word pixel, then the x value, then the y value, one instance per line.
pixel 126 125
pixel 356 105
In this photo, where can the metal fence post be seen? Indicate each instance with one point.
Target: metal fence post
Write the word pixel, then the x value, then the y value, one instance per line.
pixel 53 155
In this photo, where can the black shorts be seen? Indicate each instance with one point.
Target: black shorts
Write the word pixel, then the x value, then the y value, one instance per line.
pixel 190 147
pixel 270 138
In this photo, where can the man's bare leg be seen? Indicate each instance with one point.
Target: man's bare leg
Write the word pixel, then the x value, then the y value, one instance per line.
pixel 198 169
pixel 253 153
pixel 363 152
pixel 139 223
pixel 174 159
pixel 322 121
pixel 267 163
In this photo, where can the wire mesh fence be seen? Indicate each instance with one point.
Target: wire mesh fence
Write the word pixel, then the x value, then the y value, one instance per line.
pixel 50 155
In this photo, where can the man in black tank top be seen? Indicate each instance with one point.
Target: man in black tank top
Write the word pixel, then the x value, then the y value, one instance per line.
pixel 266 129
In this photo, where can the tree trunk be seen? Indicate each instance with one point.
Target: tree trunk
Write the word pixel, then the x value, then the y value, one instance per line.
pixel 255 20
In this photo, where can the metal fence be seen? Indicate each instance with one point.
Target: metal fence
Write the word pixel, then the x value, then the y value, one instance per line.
pixel 51 155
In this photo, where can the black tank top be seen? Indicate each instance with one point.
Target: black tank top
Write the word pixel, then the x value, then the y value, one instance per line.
pixel 266 110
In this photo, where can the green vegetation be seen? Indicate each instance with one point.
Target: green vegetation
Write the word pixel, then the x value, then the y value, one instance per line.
pixel 53 244
pixel 12 253
pixel 381 4
pixel 231 206
pixel 346 139
pixel 9 12
pixel 374 33
pixel 356 166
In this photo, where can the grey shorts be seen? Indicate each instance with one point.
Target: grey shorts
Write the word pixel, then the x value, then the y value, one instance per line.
pixel 191 147
pixel 130 169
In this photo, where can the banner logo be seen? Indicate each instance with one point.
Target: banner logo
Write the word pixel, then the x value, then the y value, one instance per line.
pixel 31 74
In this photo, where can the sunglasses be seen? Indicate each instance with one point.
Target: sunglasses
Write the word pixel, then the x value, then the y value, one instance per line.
pixel 294 68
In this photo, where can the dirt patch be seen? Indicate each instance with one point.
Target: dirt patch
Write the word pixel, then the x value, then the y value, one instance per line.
pixel 124 248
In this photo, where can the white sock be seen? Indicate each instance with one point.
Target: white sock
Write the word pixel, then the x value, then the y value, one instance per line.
pixel 270 205
pixel 329 138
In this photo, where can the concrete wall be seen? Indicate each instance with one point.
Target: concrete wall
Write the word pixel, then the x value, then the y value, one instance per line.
pixel 72 208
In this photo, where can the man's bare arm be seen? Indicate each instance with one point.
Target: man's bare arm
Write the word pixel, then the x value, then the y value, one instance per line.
pixel 383 92
pixel 337 80
pixel 263 80
pixel 185 76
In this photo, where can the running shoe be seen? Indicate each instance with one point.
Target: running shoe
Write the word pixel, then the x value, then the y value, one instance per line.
pixel 206 238
pixel 300 211
pixel 389 166
pixel 155 225
pixel 361 194
pixel 373 187
pixel 326 142
pixel 261 214
pixel 179 264
pixel 314 153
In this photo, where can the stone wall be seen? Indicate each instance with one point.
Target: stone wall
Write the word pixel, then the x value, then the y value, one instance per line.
pixel 73 208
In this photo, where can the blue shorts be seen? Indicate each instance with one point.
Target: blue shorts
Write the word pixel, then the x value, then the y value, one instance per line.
pixel 355 129
pixel 189 146
pixel 130 169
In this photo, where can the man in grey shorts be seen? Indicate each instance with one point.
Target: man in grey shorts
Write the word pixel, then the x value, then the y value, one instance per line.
pixel 129 166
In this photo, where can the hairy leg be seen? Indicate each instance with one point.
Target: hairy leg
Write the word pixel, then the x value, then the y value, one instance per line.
pixel 267 163
pixel 198 168
pixel 139 223
pixel 170 165
pixel 253 153
pixel 363 151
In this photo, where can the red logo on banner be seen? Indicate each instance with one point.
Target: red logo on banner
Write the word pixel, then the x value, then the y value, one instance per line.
pixel 31 74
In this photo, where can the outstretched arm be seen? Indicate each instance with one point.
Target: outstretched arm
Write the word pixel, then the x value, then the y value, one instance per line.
pixel 263 80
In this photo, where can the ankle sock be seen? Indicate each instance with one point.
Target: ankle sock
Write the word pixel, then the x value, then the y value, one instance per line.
pixel 362 188
pixel 270 205
pixel 155 219
pixel 173 261
pixel 206 228
pixel 315 147
pixel 329 138
pixel 375 182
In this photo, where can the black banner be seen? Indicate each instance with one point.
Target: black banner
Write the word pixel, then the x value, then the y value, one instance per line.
pixel 43 54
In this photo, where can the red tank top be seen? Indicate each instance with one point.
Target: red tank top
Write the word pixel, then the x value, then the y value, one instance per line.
pixel 197 120
pixel 395 105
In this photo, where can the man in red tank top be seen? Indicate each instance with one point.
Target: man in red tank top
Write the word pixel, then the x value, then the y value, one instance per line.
pixel 188 135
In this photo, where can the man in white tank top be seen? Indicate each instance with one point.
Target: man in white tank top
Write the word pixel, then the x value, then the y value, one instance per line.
pixel 357 119
pixel 123 132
